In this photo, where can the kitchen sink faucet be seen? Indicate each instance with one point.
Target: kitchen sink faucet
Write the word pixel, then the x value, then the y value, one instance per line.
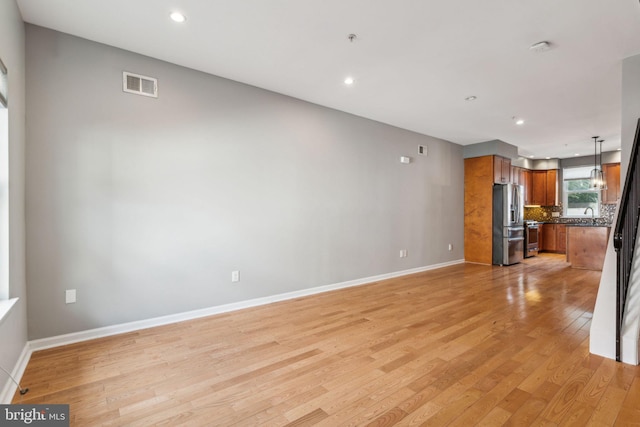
pixel 592 213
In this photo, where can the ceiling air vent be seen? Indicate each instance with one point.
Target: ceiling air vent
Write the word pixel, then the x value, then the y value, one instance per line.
pixel 140 85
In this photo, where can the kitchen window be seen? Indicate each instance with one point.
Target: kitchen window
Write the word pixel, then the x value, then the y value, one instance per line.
pixel 578 198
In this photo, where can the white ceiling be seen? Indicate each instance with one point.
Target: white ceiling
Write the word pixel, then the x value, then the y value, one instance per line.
pixel 414 61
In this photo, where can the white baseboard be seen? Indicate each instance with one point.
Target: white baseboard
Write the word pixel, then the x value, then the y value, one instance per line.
pixel 10 387
pixel 44 343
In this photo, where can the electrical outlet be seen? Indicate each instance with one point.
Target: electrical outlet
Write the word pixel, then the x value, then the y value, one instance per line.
pixel 450 247
pixel 235 276
pixel 403 253
pixel 422 150
pixel 70 296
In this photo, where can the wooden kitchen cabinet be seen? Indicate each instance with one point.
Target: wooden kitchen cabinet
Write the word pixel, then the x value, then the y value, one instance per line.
pixel 501 170
pixel 480 175
pixel 517 175
pixel 552 187
pixel 548 238
pixel 527 182
pixel 544 187
pixel 478 203
pixel 539 188
pixel 612 174
pixel 587 246
pixel 561 238
pixel 554 238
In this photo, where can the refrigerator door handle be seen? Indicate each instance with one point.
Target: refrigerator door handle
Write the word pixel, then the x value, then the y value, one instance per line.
pixel 517 188
pixel 517 203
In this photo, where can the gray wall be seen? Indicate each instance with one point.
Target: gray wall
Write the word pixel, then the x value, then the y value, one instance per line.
pixel 544 164
pixel 13 330
pixel 607 157
pixel 490 148
pixel 630 108
pixel 145 206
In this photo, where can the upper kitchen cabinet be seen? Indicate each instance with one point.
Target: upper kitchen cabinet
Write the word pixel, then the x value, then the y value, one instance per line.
pixel 544 187
pixel 501 170
pixel 522 176
pixel 612 174
pixel 552 187
pixel 517 175
pixel 527 182
pixel 539 188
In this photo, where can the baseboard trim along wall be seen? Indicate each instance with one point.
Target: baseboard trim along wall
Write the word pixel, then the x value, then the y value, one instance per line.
pixel 60 340
pixel 10 387
pixel 44 343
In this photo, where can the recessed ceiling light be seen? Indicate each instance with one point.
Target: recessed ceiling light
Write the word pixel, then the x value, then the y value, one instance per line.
pixel 520 122
pixel 531 156
pixel 547 158
pixel 540 46
pixel 349 81
pixel 577 154
pixel 619 149
pixel 471 98
pixel 177 17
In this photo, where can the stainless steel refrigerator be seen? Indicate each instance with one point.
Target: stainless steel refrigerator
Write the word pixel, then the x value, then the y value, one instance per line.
pixel 508 224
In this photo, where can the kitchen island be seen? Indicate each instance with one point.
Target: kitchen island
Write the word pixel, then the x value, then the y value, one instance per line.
pixel 587 245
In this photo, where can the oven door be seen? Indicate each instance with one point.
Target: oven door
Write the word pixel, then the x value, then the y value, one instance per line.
pixel 531 240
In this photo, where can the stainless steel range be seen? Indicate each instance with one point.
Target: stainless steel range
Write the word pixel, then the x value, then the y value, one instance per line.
pixel 531 238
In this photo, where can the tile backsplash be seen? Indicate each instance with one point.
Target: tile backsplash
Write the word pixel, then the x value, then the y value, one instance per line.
pixel 545 214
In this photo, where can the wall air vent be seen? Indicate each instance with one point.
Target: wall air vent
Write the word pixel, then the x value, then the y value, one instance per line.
pixel 140 85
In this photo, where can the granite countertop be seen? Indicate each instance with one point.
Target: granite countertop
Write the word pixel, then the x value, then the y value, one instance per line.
pixel 581 224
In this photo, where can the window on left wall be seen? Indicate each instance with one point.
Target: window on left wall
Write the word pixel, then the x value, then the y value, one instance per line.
pixel 4 85
pixel 4 182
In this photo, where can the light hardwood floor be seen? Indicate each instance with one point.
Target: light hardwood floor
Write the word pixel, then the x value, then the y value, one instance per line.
pixel 463 345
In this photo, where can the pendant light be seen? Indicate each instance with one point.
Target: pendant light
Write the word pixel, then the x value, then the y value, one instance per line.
pixel 595 178
pixel 603 181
